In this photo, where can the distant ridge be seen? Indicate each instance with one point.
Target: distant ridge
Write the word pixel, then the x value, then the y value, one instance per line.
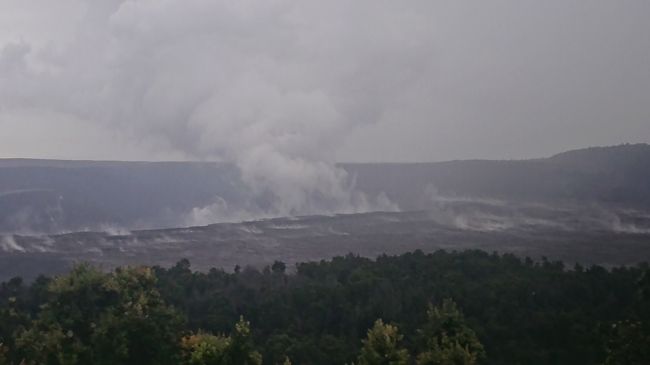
pixel 37 162
pixel 622 151
pixel 626 150
pixel 609 175
pixel 54 196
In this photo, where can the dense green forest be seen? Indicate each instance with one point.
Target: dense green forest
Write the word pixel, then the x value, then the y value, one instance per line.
pixel 442 308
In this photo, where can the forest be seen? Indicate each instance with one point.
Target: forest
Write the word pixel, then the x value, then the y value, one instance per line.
pixel 447 308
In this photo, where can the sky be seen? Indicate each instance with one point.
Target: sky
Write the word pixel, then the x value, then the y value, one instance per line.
pixel 286 86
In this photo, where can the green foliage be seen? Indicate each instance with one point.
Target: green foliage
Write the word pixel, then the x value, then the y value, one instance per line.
pixel 279 267
pixel 381 346
pixel 237 349
pixel 628 344
pixel 446 352
pixel 97 318
pixel 4 360
pixel 628 341
pixel 205 349
pixel 521 311
pixel 447 339
pixel 12 316
pixel 241 350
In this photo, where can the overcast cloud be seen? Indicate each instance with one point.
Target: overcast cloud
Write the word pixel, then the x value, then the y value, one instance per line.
pixel 327 80
pixel 284 88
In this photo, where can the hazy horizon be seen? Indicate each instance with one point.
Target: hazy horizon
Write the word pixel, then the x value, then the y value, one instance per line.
pixel 337 162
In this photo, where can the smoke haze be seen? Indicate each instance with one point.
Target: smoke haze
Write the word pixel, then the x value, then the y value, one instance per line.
pixel 285 88
pixel 200 79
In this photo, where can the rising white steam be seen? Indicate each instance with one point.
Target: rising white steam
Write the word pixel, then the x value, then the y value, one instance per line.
pixel 272 86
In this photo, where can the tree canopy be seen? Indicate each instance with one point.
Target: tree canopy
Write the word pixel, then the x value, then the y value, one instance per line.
pixel 391 310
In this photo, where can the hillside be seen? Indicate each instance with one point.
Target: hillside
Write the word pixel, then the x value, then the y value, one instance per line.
pixel 618 175
pixel 62 196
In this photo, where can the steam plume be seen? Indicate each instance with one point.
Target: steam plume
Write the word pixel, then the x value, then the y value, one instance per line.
pixel 269 86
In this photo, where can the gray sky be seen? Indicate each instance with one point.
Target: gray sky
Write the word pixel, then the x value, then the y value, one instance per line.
pixel 285 85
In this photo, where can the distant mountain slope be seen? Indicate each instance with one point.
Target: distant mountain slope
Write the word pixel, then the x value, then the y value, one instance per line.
pixel 617 175
pixel 56 196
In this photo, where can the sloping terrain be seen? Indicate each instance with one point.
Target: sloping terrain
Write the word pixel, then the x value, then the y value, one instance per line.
pixel 590 206
pixel 59 196
pixel 589 235
pixel 618 175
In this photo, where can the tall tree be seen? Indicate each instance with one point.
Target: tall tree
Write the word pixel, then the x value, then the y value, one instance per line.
pixel 241 350
pixel 236 349
pixel 447 339
pixel 205 349
pixel 381 346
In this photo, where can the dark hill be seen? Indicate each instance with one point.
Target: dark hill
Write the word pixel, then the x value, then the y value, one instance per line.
pixel 618 175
